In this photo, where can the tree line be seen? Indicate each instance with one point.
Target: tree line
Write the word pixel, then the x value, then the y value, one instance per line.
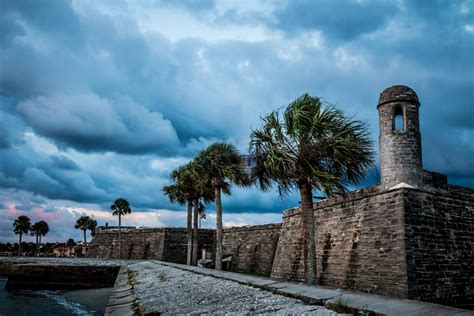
pixel 120 207
pixel 22 225
pixel 310 145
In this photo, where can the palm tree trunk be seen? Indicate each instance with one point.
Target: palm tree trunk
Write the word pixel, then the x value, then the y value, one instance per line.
pixel 307 211
pixel 120 236
pixel 195 232
pixel 190 233
pixel 218 228
pixel 19 247
pixel 85 243
pixel 36 249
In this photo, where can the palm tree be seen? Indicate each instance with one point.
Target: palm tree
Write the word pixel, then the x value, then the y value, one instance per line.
pixel 82 223
pixel 312 147
pixel 38 230
pixel 120 207
pixel 35 231
pixel 203 191
pixel 182 192
pixel 92 226
pixel 44 229
pixel 21 226
pixel 223 165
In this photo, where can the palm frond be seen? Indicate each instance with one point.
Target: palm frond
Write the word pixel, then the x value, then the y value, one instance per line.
pixel 314 143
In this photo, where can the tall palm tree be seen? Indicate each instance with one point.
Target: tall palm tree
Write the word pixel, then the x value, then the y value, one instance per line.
pixel 203 192
pixel 44 229
pixel 82 223
pixel 92 226
pixel 35 231
pixel 313 146
pixel 224 166
pixel 183 191
pixel 121 207
pixel 38 230
pixel 21 226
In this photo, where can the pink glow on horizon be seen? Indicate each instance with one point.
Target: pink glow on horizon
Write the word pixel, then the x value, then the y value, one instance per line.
pixel 36 214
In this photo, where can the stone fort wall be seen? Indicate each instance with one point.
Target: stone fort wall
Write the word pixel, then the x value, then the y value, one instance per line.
pixel 408 243
pixel 167 244
pixel 252 247
pixel 360 243
pixel 439 230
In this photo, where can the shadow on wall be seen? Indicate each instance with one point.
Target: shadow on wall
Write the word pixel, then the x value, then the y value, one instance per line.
pixel 351 272
pixel 326 254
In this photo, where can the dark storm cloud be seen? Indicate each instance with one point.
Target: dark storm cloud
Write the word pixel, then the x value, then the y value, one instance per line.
pixel 192 5
pixel 94 105
pixel 90 123
pixel 54 179
pixel 341 20
pixel 63 162
pixel 10 28
pixel 53 17
pixel 4 143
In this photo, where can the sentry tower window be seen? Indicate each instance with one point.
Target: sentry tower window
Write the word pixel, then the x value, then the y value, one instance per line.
pixel 398 120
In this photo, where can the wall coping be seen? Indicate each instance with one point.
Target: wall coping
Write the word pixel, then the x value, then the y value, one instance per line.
pixel 378 190
pixel 151 230
pixel 252 227
pixel 183 229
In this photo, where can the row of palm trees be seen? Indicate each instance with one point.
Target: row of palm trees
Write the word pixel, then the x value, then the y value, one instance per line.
pixel 308 146
pixel 22 225
pixel 86 223
pixel 120 208
pixel 204 179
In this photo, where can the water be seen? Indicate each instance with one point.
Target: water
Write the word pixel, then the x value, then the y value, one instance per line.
pixel 78 302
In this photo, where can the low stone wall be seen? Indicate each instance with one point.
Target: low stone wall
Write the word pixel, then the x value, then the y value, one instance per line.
pixel 360 243
pixel 7 263
pixel 167 244
pixel 252 247
pixel 122 299
pixel 440 245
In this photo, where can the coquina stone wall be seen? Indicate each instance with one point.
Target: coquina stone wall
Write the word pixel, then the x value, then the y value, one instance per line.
pixel 167 244
pixel 252 248
pixel 440 245
pixel 360 243
pixel 408 243
pixel 405 242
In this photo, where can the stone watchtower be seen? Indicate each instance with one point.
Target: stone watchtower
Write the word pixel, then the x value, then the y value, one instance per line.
pixel 400 140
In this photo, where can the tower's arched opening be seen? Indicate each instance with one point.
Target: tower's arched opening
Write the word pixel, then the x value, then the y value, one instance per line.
pixel 398 120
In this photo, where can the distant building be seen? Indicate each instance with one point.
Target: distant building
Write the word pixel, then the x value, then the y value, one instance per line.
pixel 65 250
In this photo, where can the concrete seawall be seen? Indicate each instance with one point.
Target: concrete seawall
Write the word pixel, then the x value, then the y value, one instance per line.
pixel 72 274
pixel 34 276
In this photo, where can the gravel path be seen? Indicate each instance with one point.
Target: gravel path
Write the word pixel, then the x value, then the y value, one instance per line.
pixel 163 289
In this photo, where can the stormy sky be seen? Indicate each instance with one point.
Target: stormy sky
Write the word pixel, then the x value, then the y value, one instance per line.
pixel 101 99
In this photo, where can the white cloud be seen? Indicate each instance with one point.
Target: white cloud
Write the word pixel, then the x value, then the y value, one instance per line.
pixel 166 165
